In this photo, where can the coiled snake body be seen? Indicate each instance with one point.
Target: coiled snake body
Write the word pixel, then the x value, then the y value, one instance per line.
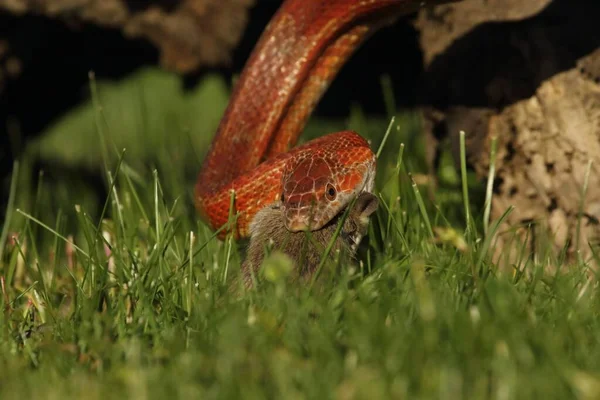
pixel 296 58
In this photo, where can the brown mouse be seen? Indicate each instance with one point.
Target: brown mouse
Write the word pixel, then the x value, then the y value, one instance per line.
pixel 267 231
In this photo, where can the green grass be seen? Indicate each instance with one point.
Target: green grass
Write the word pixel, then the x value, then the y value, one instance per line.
pixel 127 294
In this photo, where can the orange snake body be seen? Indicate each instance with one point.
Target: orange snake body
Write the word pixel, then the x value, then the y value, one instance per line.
pixel 298 55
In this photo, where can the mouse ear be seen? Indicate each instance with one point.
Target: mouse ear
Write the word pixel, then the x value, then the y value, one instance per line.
pixel 366 204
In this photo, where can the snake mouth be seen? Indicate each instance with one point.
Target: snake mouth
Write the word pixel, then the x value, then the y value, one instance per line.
pixel 297 225
pixel 307 212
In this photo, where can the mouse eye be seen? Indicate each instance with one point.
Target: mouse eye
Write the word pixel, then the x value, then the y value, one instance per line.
pixel 330 192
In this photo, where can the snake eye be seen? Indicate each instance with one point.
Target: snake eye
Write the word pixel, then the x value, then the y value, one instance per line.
pixel 330 192
pixel 282 197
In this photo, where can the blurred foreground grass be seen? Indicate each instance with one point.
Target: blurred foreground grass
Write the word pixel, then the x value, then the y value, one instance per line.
pixel 139 306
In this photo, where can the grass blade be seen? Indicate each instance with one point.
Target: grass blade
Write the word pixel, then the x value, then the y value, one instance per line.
pixel 490 186
pixel 9 208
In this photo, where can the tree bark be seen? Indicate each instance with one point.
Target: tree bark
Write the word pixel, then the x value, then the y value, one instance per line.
pixel 527 73
pixel 188 33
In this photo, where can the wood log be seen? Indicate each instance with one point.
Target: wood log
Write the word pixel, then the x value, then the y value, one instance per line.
pixel 527 73
pixel 188 33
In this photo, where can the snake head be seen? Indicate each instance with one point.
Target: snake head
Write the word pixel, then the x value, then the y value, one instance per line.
pixel 317 185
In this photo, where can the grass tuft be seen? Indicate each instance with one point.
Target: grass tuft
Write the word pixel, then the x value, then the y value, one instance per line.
pixel 123 292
